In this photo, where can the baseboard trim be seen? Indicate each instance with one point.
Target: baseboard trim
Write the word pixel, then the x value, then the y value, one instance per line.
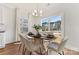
pixel 12 42
pixel 72 48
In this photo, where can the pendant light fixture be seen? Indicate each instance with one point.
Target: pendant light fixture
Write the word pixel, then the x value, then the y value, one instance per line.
pixel 37 12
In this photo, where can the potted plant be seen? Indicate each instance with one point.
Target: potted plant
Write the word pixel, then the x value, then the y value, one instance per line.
pixel 37 27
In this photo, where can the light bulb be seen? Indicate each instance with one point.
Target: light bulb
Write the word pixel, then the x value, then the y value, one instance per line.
pixel 33 13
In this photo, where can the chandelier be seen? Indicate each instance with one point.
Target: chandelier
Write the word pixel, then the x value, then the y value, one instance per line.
pixel 37 12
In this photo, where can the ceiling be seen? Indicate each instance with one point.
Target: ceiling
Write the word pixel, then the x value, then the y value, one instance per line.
pixel 26 5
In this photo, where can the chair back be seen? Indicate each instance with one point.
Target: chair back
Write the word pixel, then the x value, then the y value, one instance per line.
pixel 33 44
pixel 62 44
pixel 22 40
pixel 26 42
pixel 30 45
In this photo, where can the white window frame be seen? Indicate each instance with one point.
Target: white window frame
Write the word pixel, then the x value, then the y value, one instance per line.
pixel 49 27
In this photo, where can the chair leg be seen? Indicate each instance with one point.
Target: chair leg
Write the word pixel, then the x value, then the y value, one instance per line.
pixel 23 50
pixel 19 48
pixel 46 52
pixel 59 53
pixel 40 51
pixel 30 53
pixel 63 52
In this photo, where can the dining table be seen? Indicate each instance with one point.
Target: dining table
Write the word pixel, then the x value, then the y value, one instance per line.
pixel 45 41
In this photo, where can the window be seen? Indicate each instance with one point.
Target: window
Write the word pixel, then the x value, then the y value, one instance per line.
pixel 24 25
pixel 44 24
pixel 52 23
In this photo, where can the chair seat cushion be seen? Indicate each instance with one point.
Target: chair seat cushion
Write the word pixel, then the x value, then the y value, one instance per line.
pixel 53 46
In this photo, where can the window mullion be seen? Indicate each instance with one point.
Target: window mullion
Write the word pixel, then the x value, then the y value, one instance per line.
pixel 48 24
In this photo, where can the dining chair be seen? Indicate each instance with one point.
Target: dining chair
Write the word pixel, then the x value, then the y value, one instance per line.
pixel 22 44
pixel 58 48
pixel 31 45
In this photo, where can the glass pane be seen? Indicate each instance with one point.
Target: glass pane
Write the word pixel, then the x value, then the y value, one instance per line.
pixel 44 24
pixel 24 25
pixel 55 23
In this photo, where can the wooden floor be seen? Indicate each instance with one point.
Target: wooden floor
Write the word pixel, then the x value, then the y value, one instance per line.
pixel 12 49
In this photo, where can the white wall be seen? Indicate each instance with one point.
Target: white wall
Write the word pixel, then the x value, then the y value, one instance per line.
pixel 8 18
pixel 72 25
